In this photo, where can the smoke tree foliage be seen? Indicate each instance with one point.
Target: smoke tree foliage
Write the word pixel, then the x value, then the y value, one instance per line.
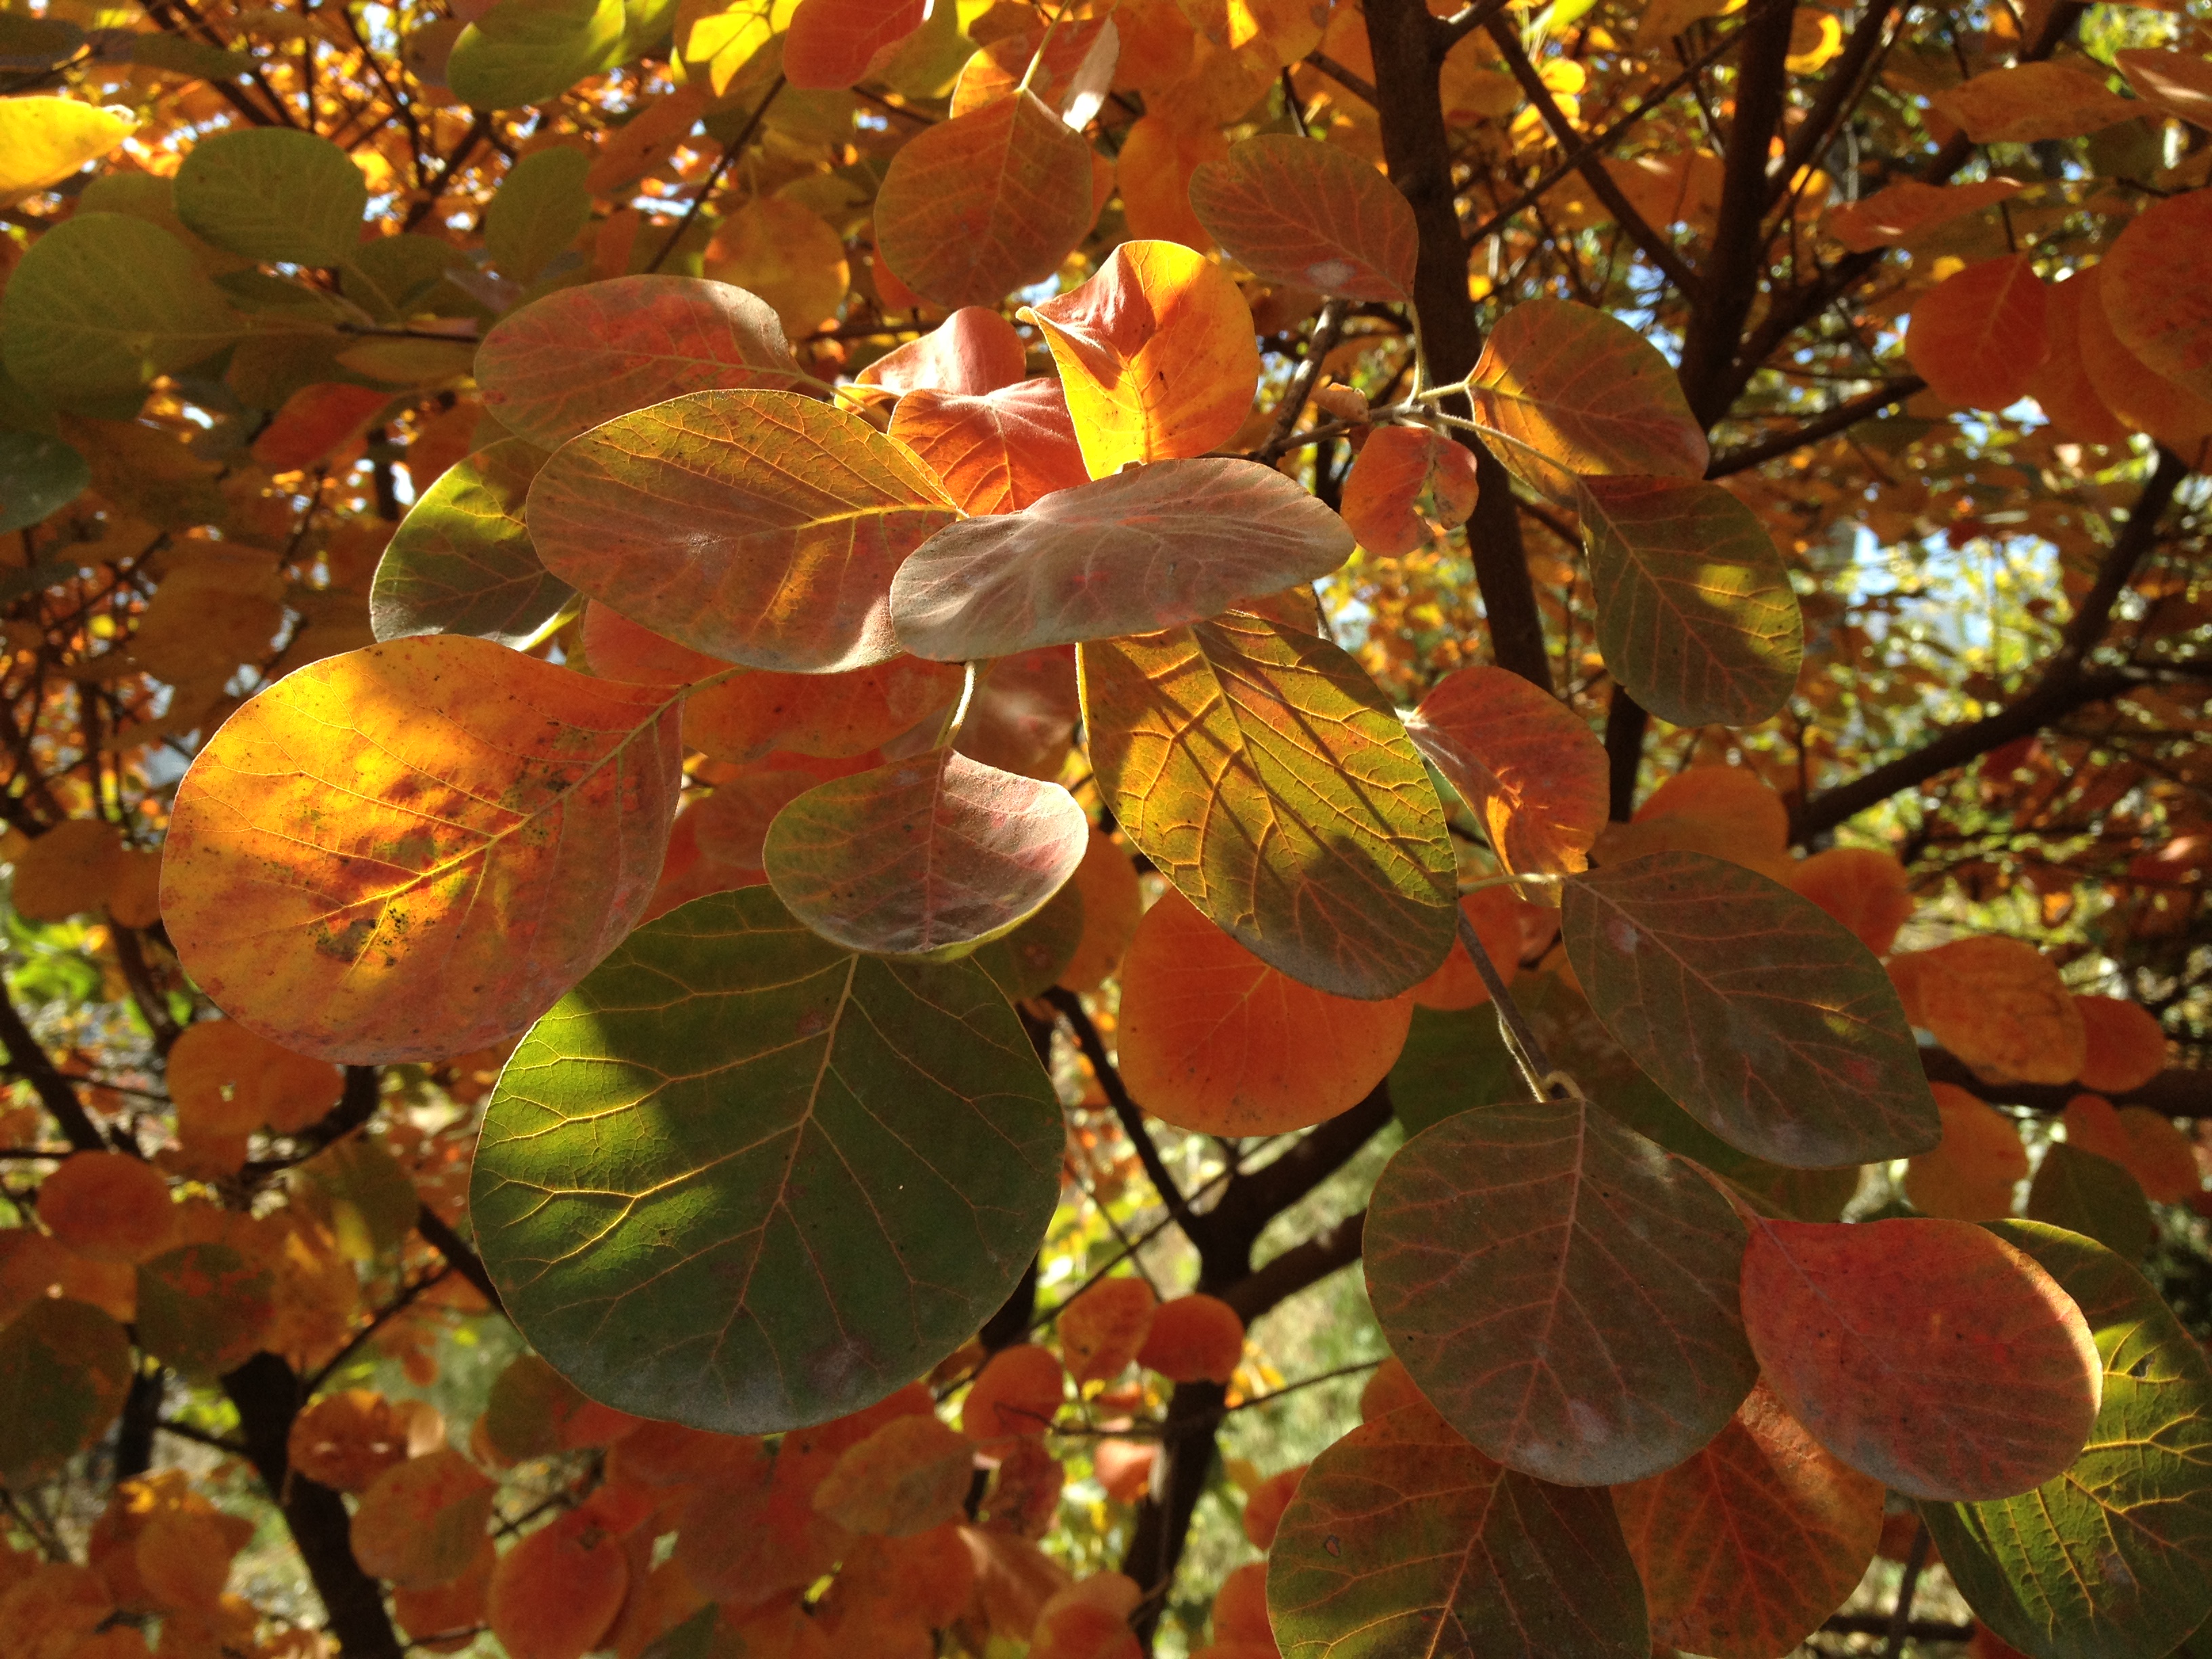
pixel 922 746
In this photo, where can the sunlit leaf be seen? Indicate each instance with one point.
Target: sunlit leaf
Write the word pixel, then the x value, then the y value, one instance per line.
pixel 1970 1175
pixel 1522 761
pixel 1265 775
pixel 1395 469
pixel 1883 1339
pixel 755 526
pixel 272 193
pixel 2029 102
pixel 462 560
pixel 2112 1559
pixel 438 800
pixel 971 353
pixel 1978 337
pixel 2125 1045
pixel 1999 1003
pixel 44 140
pixel 831 41
pixel 784 252
pixel 64 1368
pixel 1078 66
pixel 525 52
pixel 1695 613
pixel 1312 215
pixel 1152 547
pixel 996 452
pixel 848 1174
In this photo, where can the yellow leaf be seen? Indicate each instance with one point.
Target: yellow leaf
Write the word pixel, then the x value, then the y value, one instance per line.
pixel 44 140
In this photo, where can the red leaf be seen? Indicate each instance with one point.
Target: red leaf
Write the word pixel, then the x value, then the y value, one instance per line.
pixel 1396 467
pixel 1310 214
pixel 1978 337
pixel 830 43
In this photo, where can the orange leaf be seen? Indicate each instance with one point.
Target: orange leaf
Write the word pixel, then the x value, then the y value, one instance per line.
pixel 2130 388
pixel 1970 1175
pixel 616 648
pixel 1124 1468
pixel 1882 1338
pixel 554 1595
pixel 2000 1005
pixel 1113 906
pixel 784 252
pixel 2177 82
pixel 1862 887
pixel 315 421
pixel 1458 984
pixel 2062 386
pixel 2156 298
pixel 1214 1040
pixel 1089 1620
pixel 1395 468
pixel 2030 102
pixel 1240 1606
pixel 422 1521
pixel 1522 761
pixel 1265 1503
pixel 1193 1339
pixel 1079 58
pixel 909 1476
pixel 458 1604
pixel 1978 337
pixel 2126 1045
pixel 1018 1392
pixel 996 452
pixel 1157 354
pixel 345 1440
pixel 1900 211
pixel 1101 1331
pixel 2141 1141
pixel 970 353
pixel 108 1206
pixel 830 716
pixel 1154 168
pixel 830 43
pixel 1310 215
pixel 70 868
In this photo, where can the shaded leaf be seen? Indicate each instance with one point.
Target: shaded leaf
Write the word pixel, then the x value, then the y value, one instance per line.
pixel 756 526
pixel 2125 1046
pixel 850 1174
pixel 1035 956
pixel 996 452
pixel 1561 1290
pixel 782 250
pixel 1763 1016
pixel 422 1521
pixel 1970 1175
pixel 2030 102
pixel 39 475
pixel 462 560
pixel 747 715
pixel 2061 386
pixel 1999 1005
pixel 1453 1060
pixel 2150 282
pixel 1266 777
pixel 2178 82
pixel 64 1368
pixel 1865 888
pixel 504 817
pixel 2131 390
pixel 528 52
pixel 1078 63
pixel 908 1476
pixel 1152 547
pixel 1525 764
pixel 2090 1194
pixel 1696 615
pixel 1898 211
pixel 1978 337
pixel 272 193
pixel 2141 1141
pixel 1882 1338
pixel 204 1308
pixel 1311 214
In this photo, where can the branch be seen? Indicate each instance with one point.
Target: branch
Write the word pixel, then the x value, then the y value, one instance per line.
pixel 56 1093
pixel 2179 1091
pixel 1303 1265
pixel 1838 92
pixel 1326 327
pixel 1450 31
pixel 1251 1201
pixel 1626 722
pixel 1826 424
pixel 463 1260
pixel 1070 1006
pixel 452 164
pixel 1352 83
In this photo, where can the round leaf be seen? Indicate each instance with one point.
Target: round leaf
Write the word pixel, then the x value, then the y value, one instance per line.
pixel 273 193
pixel 1522 761
pixel 539 209
pixel 996 451
pixel 528 52
pixel 1308 214
pixel 1978 337
pixel 204 1308
pixel 44 140
pixel 64 1368
pixel 462 562
pixel 2092 1196
pixel 39 475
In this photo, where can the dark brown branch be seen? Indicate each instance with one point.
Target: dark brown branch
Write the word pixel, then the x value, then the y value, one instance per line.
pixel 1327 326
pixel 1839 96
pixel 463 1260
pixel 2180 1091
pixel 1197 1229
pixel 1626 722
pixel 1356 84
pixel 1826 424
pixel 730 153
pixel 1304 1264
pixel 1251 1201
pixel 56 1093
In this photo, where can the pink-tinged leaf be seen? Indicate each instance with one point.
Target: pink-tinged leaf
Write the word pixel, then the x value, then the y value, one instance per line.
pixel 1929 1354
pixel 986 203
pixel 2153 288
pixel 830 43
pixel 1978 336
pixel 1522 761
pixel 715 846
pixel 411 850
pixel 1903 209
pixel 747 716
pixel 1746 1549
pixel 1311 214
pixel 1564 389
pixel 998 453
pixel 1695 613
pixel 1078 68
pixel 582 356
pixel 755 526
pixel 1761 1015
pixel 971 352
pixel 924 855
pixel 1405 1542
pixel 1150 548
pixel 1563 1291
pixel 1395 468
pixel 1022 717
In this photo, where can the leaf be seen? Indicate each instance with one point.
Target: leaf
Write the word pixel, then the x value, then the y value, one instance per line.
pixel 908 1476
pixel 1394 470
pixel 1865 888
pixel 2125 1046
pixel 1898 212
pixel 1404 1539
pixel 462 560
pixel 538 210
pixel 1193 1339
pixel 581 356
pixel 1113 907
pixel 1695 615
pixel 1884 1339
pixel 1978 336
pixel 1526 765
pixel 853 1168
pixel 1101 1329
pixel 1567 389
pixel 924 856
pixel 1262 773
pixel 108 1206
pixel 1157 355
pixel 2000 1005
pixel 1495 914
pixel 1152 173
pixel 2132 391
pixel 64 1368
pixel 1078 66
pixel 1034 958
pixel 422 1521
pixel 2096 1196
pixel 2028 103
pixel 1310 214
pixel 273 193
pixel 1561 1290
pixel 2112 1559
pixel 747 715
pixel 44 140
pixel 103 302
pixel 204 1308
pixel 2176 82
pixel 971 353
pixel 437 800
pixel 985 203
pixel 39 475
pixel 755 526
pixel 1745 1549
pixel 1212 1039
pixel 2153 299
pixel 554 1594
pixel 529 52
pixel 2061 386
pixel 782 250
pixel 831 42
pixel 999 451
pixel 1150 548
pixel 1970 1175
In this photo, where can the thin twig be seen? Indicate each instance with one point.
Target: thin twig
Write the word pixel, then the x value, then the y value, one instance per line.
pixel 730 152
pixel 1079 1026
pixel 1900 1617
pixel 1327 326
pixel 1520 1036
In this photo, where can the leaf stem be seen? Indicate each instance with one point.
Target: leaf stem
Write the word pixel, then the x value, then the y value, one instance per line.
pixel 958 718
pixel 1520 1037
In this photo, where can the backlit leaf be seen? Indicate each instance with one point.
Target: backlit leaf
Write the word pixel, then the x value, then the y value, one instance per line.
pixel 1763 1016
pixel 64 1368
pixel 986 203
pixel 1898 211
pixel 1970 1175
pixel 1080 56
pixel 1864 888
pixel 1395 469
pixel 2141 1141
pixel 747 715
pixel 784 252
pixel 422 1521
pixel 755 526
pixel 585 354
pixel 1405 1540
pixel 2124 1044
pixel 996 452
pixel 848 1176
pixel 972 352
pixel 2000 1005
pixel 462 560
pixel 525 52
pixel 2088 1193
pixel 1882 1338
pixel 1312 215
pixel 924 855
pixel 44 140
pixel 2153 298
pixel 1152 173
pixel 2132 391
pixel 2112 1559
pixel 1266 776
pixel 2178 82
pixel 273 193
pixel 2029 102
pixel 1152 547
pixel 831 41
pixel 2061 386
pixel 1563 1291
pixel 503 818
pixel 1156 354
pixel 1522 761
pixel 1978 337
pixel 1696 615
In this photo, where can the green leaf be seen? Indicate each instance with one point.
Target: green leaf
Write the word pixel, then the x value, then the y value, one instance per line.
pixel 759 527
pixel 39 475
pixel 845 1176
pixel 528 52
pixel 37 44
pixel 1762 1015
pixel 181 55
pixel 364 1193
pixel 1265 775
pixel 397 277
pixel 273 193
pixel 2086 1193
pixel 102 303
pixel 2112 1559
pixel 1405 1542
pixel 1695 613
pixel 64 1368
pixel 203 1309
pixel 1563 1291
pixel 1030 961
pixel 538 211
pixel 1454 1060
pixel 462 560
pixel 1148 547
